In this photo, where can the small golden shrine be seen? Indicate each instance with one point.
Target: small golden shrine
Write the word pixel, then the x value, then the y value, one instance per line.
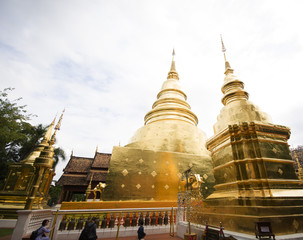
pixel 28 181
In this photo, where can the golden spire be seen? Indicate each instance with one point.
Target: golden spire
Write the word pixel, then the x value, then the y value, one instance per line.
pixel 96 149
pixel 233 88
pixel 38 149
pixel 47 137
pixel 52 141
pixel 89 187
pixel 171 101
pixel 227 65
pixel 173 73
pixel 223 47
pixel 240 110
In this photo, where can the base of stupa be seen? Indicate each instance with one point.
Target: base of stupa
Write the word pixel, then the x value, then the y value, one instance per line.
pixel 182 228
pixel 9 210
pixel 117 204
pixel 9 205
pixel 284 214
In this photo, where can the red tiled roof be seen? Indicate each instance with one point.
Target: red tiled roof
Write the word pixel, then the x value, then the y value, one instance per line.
pixel 78 171
pixel 78 165
pixel 67 179
pixel 101 160
pixel 98 176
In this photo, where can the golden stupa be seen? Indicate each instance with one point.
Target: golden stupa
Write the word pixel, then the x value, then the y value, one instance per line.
pixel 253 167
pixel 150 167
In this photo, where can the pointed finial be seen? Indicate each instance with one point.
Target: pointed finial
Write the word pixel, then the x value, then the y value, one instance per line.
pixel 91 178
pixel 52 141
pixel 227 65
pixel 89 187
pixel 173 72
pixel 72 153
pixel 60 120
pixel 96 149
pixel 223 47
pixel 48 134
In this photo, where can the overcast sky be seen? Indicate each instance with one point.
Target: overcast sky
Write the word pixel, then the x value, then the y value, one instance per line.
pixel 105 62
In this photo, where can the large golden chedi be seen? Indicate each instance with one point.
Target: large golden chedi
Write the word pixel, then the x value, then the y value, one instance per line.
pixel 253 167
pixel 151 165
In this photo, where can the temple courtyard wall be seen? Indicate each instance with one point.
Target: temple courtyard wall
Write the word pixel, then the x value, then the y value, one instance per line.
pixel 175 225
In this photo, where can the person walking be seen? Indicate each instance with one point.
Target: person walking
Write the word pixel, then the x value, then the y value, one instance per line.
pixel 141 233
pixel 89 231
pixel 43 230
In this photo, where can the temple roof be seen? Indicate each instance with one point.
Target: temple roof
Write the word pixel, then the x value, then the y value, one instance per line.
pixel 78 165
pixel 79 170
pixel 68 179
pixel 98 176
pixel 101 160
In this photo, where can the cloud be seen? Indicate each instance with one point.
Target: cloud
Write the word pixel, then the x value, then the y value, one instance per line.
pixel 105 61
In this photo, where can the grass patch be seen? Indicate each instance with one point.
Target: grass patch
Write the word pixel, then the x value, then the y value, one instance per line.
pixel 6 231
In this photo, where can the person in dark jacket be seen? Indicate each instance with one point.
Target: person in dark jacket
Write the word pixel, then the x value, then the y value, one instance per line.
pixel 89 231
pixel 141 233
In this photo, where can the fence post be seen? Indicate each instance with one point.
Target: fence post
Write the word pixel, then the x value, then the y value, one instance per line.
pixel 117 237
pixel 58 221
pixel 22 224
pixel 53 225
pixel 172 222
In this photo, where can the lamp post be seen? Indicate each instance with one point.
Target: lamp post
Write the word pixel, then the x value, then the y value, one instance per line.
pixel 187 174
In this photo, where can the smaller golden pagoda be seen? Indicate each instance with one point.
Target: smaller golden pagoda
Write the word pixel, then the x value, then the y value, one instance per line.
pixel 253 168
pixel 28 181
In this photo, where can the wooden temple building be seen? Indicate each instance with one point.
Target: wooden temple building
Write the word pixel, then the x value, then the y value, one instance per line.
pixel 80 172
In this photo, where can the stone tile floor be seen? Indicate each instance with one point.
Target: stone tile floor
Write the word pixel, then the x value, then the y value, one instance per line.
pixel 148 237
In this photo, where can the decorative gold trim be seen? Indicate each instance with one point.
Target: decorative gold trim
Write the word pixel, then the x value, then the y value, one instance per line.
pixel 277 160
pixel 261 180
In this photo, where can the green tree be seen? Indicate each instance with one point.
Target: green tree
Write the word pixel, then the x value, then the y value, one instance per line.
pixel 18 137
pixel 13 127
pixel 59 154
pixel 54 194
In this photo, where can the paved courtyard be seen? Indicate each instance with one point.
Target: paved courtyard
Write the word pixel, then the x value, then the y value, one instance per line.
pixel 148 237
